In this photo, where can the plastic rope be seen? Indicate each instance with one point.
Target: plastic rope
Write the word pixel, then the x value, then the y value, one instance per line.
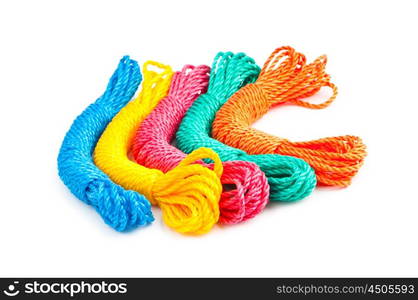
pixel 121 209
pixel 289 178
pixel 189 194
pixel 286 78
pixel 152 148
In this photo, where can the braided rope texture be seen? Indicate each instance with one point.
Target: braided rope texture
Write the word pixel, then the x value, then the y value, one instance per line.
pixel 286 78
pixel 188 195
pixel 121 209
pixel 152 148
pixel 290 178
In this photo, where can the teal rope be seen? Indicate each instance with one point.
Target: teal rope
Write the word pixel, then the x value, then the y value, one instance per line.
pixel 290 178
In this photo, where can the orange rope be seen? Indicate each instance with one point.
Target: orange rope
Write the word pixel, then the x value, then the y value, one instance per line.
pixel 286 78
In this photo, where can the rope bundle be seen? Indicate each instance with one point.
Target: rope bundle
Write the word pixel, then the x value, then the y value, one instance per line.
pixel 289 178
pixel 188 194
pixel 152 148
pixel 286 78
pixel 199 189
pixel 121 209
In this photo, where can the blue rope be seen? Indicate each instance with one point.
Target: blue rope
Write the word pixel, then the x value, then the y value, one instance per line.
pixel 121 209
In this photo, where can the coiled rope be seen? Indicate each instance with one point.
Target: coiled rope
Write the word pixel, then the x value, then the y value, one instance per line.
pixel 289 178
pixel 121 209
pixel 151 148
pixel 188 194
pixel 286 78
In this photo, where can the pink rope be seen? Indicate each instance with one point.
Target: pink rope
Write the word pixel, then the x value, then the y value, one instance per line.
pixel 249 190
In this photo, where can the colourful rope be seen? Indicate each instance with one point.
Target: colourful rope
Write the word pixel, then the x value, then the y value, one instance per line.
pixel 189 194
pixel 121 209
pixel 152 148
pixel 289 178
pixel 286 78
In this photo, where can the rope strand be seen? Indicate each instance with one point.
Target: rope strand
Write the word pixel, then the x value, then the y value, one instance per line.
pixel 121 209
pixel 152 148
pixel 286 78
pixel 188 195
pixel 289 178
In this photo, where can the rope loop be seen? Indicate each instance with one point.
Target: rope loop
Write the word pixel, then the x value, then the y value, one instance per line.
pixel 189 194
pixel 286 77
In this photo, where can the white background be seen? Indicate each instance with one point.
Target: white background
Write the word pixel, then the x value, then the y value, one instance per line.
pixel 56 58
